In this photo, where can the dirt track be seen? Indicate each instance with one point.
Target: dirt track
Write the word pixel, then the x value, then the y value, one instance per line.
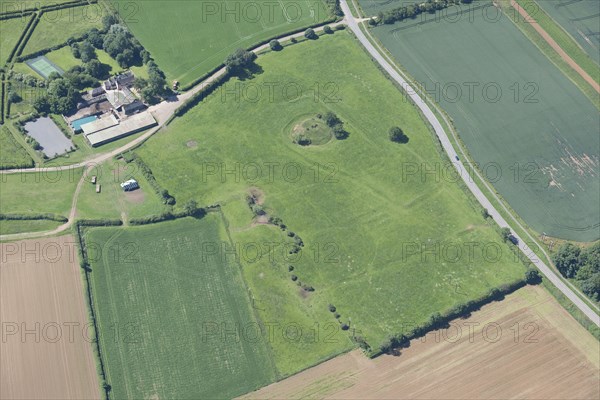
pixel 45 350
pixel 551 357
pixel 554 45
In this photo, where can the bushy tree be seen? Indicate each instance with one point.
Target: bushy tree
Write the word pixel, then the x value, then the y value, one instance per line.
pixel 275 45
pixel 532 276
pixel 397 135
pixel 567 259
pixel 310 34
pixel 327 29
pixel 95 37
pixel 122 46
pixel 87 51
pixel 109 20
pixel 331 119
pixel 591 287
pixel 96 69
pixel 239 61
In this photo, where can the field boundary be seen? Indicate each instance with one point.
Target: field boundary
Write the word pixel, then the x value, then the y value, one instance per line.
pixel 78 230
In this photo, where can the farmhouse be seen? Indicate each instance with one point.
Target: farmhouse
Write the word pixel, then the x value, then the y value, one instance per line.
pixel 130 185
pixel 119 81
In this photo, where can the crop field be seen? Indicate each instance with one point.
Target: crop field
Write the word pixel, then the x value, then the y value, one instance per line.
pixel 351 200
pixel 55 27
pixel 12 154
pixel 580 19
pixel 525 346
pixel 195 37
pixel 46 341
pixel 166 309
pixel 531 130
pixel 10 30
pixel 588 62
pixel 38 192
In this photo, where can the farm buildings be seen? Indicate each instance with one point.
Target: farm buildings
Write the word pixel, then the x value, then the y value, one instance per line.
pixel 110 128
pixel 111 111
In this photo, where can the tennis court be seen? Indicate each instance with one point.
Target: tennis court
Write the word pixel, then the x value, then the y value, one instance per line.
pixel 43 66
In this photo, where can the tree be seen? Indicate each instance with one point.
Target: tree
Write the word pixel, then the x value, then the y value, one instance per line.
pixel 108 21
pixel 126 58
pixel 275 45
pixel 397 135
pixel 14 97
pixel 591 287
pixel 567 260
pixel 191 207
pixel 96 69
pixel 532 276
pixel 339 132
pixel 42 105
pixel 95 38
pixel 87 51
pixel 75 50
pixel 310 34
pixel 327 29
pixel 505 232
pixel 239 61
pixel 331 119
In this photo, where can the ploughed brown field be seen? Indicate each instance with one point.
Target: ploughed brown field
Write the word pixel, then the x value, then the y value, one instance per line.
pixel 46 350
pixel 525 347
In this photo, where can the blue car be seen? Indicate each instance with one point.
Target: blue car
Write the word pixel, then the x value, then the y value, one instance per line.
pixel 457 159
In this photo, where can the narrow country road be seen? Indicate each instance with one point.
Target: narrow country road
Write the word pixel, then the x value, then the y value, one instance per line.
pixel 449 149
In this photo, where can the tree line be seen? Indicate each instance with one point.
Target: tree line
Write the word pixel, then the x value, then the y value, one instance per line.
pixel 412 10
pixel 581 264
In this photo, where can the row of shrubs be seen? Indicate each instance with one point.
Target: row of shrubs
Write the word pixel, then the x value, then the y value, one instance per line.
pixel 84 262
pixel 412 10
pixel 258 210
pixel 32 217
pixel 201 95
pixel 220 66
pixel 438 320
pixel 28 33
pixel 23 34
pixel 2 91
pixel 196 212
pixel 147 172
pixel 16 14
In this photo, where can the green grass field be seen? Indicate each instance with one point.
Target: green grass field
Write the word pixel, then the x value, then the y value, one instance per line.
pixel 38 192
pixel 158 303
pixel 12 154
pixel 9 227
pixel 579 19
pixel 538 142
pixel 194 38
pixel 354 207
pixel 55 27
pixel 10 30
pixel 112 202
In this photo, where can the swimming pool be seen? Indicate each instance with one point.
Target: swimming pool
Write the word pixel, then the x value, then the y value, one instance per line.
pixel 76 125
